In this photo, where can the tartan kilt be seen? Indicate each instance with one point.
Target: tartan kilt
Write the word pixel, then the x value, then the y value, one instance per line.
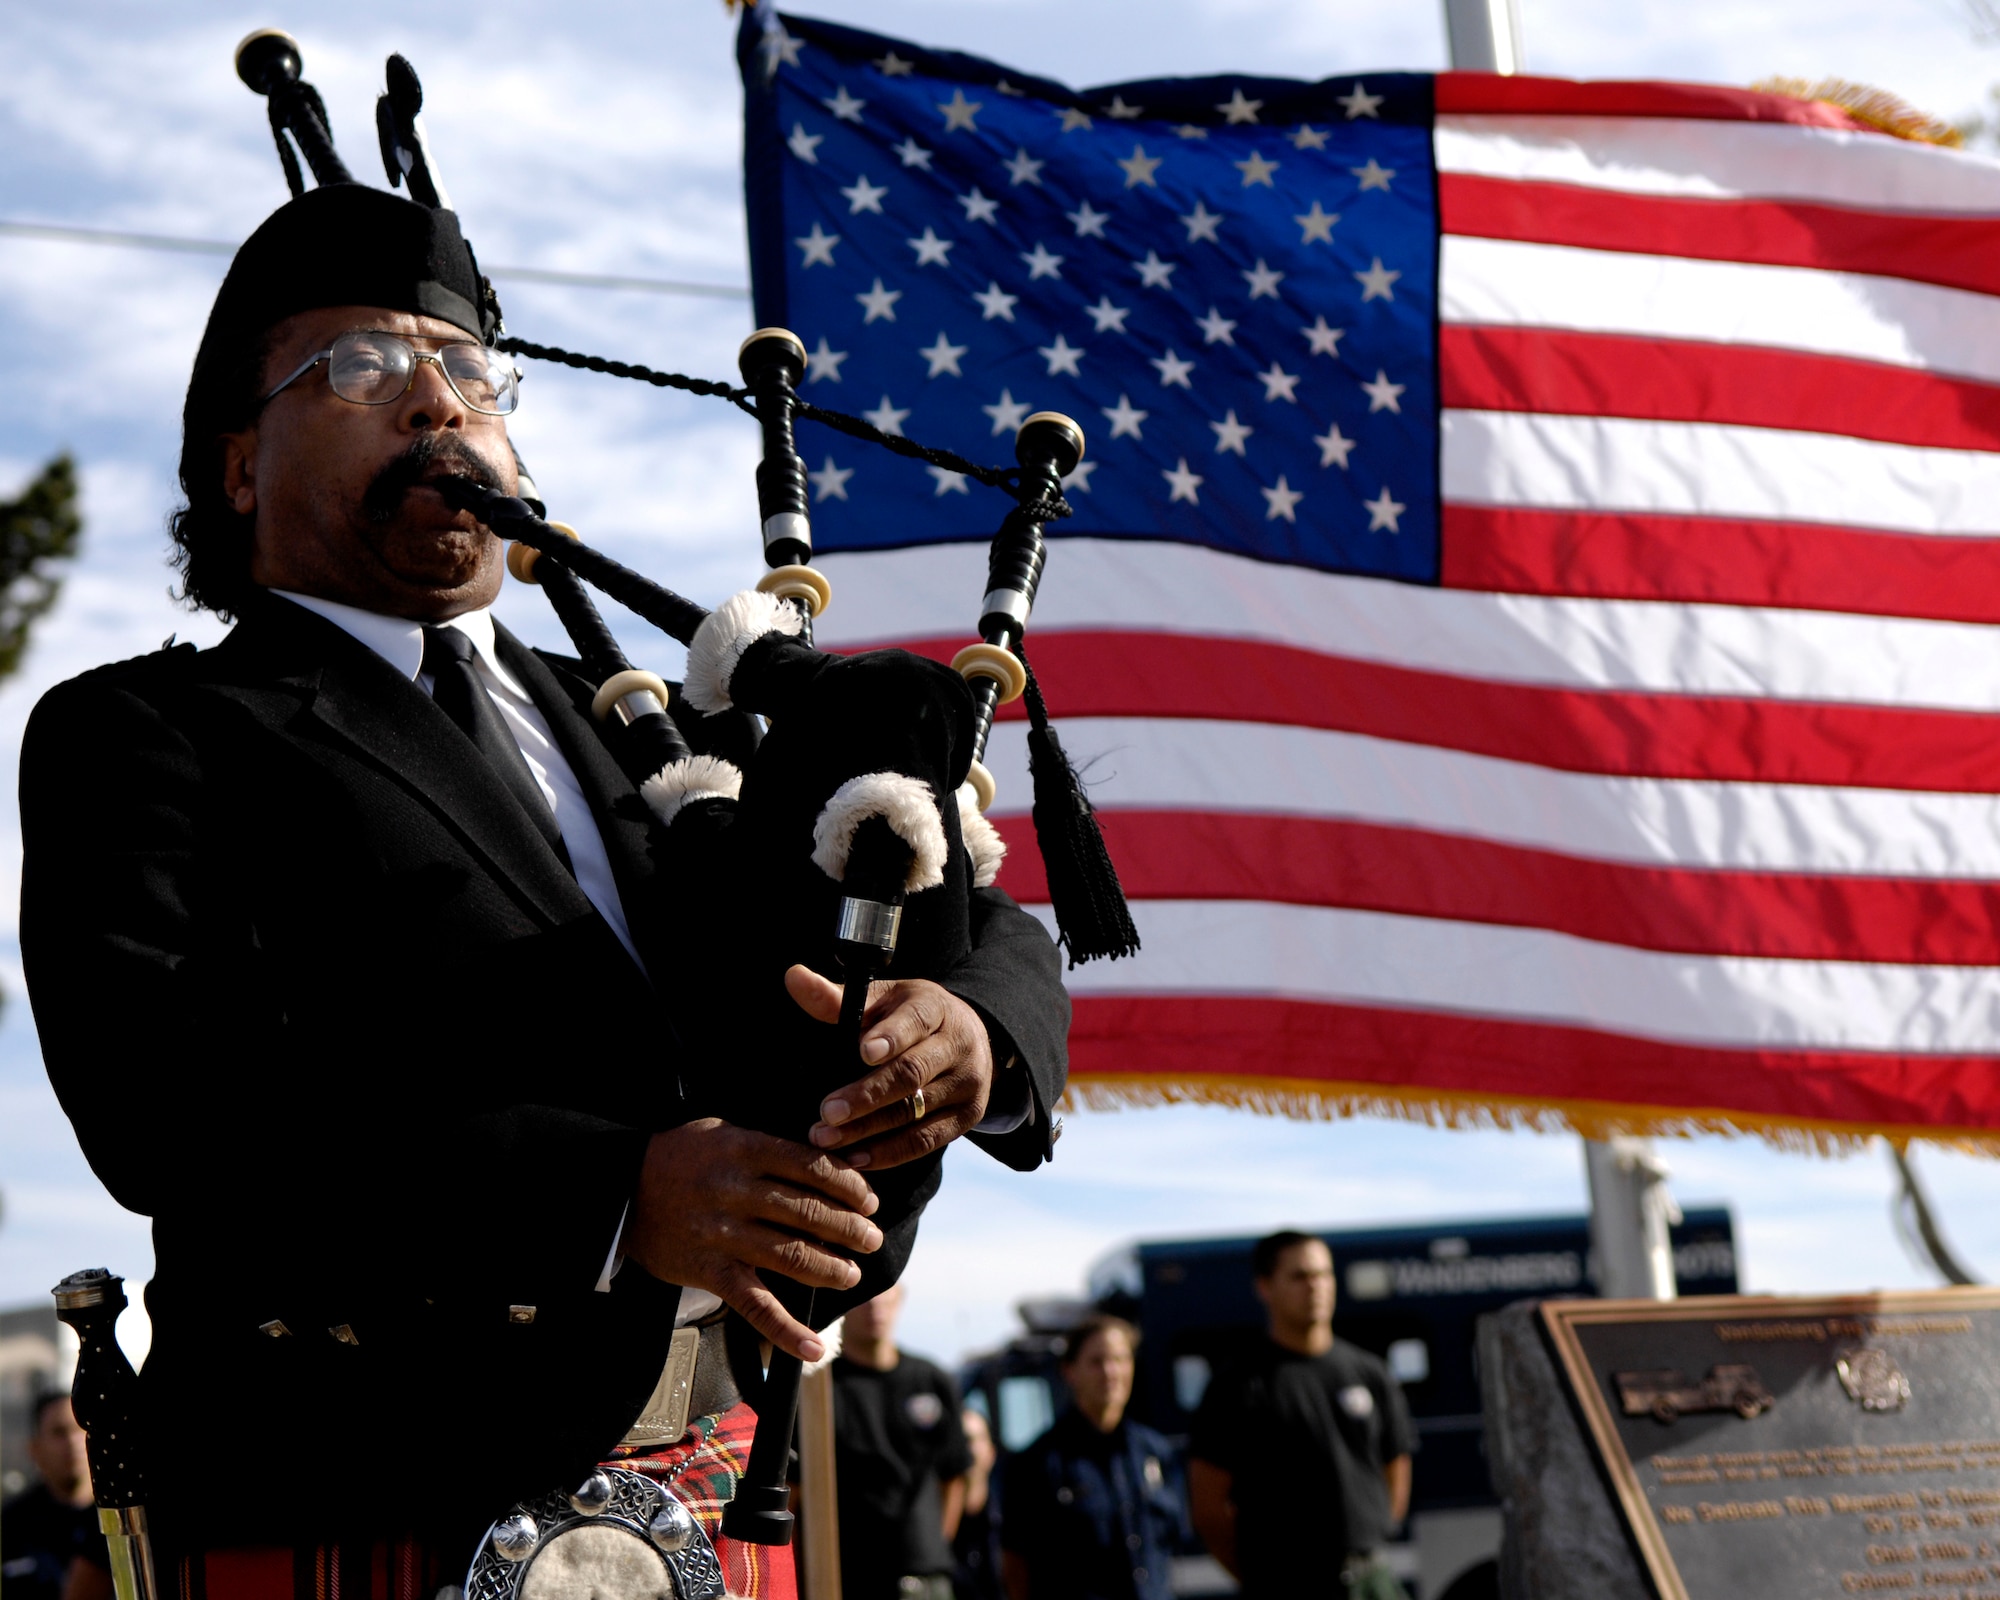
pixel 703 1469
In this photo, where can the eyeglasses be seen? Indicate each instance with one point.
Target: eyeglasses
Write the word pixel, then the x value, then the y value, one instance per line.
pixel 372 368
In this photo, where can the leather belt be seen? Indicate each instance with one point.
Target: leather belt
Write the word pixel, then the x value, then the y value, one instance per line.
pixel 696 1382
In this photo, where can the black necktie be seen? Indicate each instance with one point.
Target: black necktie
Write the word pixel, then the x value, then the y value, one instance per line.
pixel 456 688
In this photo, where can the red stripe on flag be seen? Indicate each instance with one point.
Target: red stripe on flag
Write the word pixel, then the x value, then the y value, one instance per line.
pixel 1958 252
pixel 1616 555
pixel 1473 93
pixel 1363 866
pixel 1112 674
pixel 1617 375
pixel 1191 1037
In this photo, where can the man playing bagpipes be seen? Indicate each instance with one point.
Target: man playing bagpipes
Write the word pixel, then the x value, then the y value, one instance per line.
pixel 359 968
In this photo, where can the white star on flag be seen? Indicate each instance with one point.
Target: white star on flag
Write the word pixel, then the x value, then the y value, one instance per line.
pixel 1183 483
pixel 1040 263
pixel 830 482
pixel 1125 419
pixel 1079 480
pixel 1107 317
pixel 887 417
pixel 1187 130
pixel 1237 109
pixel 1361 104
pixel 1007 88
pixel 817 247
pixel 959 112
pixel 805 145
pixel 1155 273
pixel 1230 434
pixel 1376 281
pixel 912 154
pixel 1383 512
pixel 1024 168
pixel 824 363
pixel 994 301
pixel 1256 170
pixel 1089 223
pixel 1201 224
pixel 894 66
pixel 1374 175
pixel 1062 358
pixel 1263 281
pixel 1280 501
pixel 864 196
pixel 848 109
pixel 1216 328
pixel 1119 110
pixel 1317 224
pixel 1333 447
pixel 1173 370
pixel 1073 119
pixel 1279 384
pixel 1382 394
pixel 978 207
pixel 1325 341
pixel 931 250
pixel 1007 413
pixel 879 303
pixel 948 482
pixel 1140 167
pixel 1307 137
pixel 943 357
pixel 779 48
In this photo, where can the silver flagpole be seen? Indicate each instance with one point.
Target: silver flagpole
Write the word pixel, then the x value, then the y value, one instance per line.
pixel 1483 35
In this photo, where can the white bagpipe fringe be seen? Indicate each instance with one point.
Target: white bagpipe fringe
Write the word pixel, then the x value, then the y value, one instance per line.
pixel 829 1336
pixel 679 783
pixel 982 840
pixel 719 643
pixel 905 803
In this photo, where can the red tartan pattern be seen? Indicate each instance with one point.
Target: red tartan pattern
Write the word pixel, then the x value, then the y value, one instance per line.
pixel 704 1467
pixel 720 1450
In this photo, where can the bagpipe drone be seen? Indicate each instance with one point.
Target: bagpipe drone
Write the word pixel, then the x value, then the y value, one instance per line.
pixel 850 839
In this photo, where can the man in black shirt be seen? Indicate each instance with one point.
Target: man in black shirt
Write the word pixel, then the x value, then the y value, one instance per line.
pixel 901 1461
pixel 45 1528
pixel 1301 1455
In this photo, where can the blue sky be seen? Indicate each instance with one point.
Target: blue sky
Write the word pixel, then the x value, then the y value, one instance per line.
pixel 603 137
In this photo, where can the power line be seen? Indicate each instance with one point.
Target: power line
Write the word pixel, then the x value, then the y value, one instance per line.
pixel 217 247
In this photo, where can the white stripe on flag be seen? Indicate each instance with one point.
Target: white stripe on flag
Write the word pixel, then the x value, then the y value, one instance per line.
pixel 1719 160
pixel 1851 314
pixel 1185 764
pixel 1527 458
pixel 1659 646
pixel 1233 947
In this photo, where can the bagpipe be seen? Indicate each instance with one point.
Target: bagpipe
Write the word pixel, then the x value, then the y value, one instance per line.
pixel 851 838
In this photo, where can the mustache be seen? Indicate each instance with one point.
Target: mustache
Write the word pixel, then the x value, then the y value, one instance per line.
pixel 385 493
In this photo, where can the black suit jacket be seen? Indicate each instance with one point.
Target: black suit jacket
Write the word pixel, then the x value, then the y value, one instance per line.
pixel 320 1001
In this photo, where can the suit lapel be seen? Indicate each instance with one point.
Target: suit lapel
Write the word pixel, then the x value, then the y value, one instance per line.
pixel 623 819
pixel 353 694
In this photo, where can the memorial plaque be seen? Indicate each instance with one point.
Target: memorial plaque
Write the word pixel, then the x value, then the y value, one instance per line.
pixel 1783 1448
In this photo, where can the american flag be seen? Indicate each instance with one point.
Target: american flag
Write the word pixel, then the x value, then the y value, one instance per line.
pixel 1529 618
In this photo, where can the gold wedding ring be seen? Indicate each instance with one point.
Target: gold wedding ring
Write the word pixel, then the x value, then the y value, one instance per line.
pixel 916 1105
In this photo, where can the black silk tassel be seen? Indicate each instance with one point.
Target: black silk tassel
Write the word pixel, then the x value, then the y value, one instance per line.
pixel 1092 917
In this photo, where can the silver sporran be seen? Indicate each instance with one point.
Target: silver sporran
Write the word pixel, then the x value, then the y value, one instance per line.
pixel 617 1536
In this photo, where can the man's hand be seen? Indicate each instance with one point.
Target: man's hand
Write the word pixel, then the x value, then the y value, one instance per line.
pixel 716 1202
pixel 916 1035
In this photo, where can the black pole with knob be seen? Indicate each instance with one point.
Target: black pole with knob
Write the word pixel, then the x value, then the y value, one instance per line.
pixel 105 1398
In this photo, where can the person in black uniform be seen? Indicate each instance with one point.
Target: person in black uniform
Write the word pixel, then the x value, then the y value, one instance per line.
pixel 354 968
pixel 51 1524
pixel 1300 1456
pixel 975 1548
pixel 1095 1506
pixel 900 1460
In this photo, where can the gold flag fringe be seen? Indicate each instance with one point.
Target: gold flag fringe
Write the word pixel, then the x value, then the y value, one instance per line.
pixel 1312 1100
pixel 1877 107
